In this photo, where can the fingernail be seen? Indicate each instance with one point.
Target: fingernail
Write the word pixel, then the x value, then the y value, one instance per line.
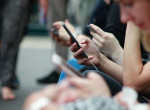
pixel 91 57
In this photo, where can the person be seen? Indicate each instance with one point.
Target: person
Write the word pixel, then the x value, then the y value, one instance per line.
pixel 70 9
pixel 52 13
pixel 128 14
pixel 113 25
pixel 133 68
pixel 14 16
pixel 96 96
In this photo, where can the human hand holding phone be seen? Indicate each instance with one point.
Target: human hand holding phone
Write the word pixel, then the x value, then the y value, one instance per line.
pixel 61 63
pixel 73 39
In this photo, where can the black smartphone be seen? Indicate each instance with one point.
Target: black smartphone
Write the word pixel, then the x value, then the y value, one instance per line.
pixel 61 63
pixel 90 28
pixel 73 38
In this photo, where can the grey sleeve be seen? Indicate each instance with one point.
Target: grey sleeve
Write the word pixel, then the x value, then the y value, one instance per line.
pixel 94 103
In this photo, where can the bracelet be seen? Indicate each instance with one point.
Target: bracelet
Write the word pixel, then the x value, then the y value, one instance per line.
pixel 40 103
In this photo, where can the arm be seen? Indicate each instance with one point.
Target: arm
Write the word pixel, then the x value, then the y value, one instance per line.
pixel 106 65
pixel 136 74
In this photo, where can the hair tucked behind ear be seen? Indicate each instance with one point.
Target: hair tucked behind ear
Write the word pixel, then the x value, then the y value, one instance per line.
pixel 145 39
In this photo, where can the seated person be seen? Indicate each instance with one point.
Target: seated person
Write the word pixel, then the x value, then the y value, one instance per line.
pixel 87 94
pixel 113 25
pixel 95 85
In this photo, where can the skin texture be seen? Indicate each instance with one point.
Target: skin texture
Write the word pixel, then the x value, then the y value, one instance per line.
pixel 129 9
pixel 63 38
pixel 107 44
pixel 136 74
pixel 106 65
pixel 103 40
pixel 63 93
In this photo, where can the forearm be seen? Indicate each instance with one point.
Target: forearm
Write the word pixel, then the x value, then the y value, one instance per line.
pixel 112 69
pixel 117 56
pixel 133 66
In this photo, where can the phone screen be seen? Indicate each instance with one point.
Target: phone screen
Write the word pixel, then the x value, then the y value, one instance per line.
pixel 73 38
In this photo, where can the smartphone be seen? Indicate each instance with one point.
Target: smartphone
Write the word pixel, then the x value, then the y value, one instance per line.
pixel 54 30
pixel 61 63
pixel 73 39
pixel 90 28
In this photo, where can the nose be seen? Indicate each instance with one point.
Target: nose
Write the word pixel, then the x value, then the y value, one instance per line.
pixel 126 16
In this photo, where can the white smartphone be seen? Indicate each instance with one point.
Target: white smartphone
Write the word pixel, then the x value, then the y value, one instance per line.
pixel 61 63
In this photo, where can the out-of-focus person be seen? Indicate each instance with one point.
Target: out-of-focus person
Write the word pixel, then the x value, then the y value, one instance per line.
pixel 14 15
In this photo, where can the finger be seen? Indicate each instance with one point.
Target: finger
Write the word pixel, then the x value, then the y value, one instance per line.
pixel 98 30
pixel 94 76
pixel 78 53
pixel 66 21
pixel 57 23
pixel 68 95
pixel 98 37
pixel 77 82
pixel 71 41
pixel 84 61
pixel 85 41
pixel 73 47
pixel 54 37
pixel 99 45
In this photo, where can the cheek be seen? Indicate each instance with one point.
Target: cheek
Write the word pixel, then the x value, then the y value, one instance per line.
pixel 141 11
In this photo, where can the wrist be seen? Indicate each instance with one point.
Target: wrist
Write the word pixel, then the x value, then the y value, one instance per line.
pixel 117 55
pixel 102 59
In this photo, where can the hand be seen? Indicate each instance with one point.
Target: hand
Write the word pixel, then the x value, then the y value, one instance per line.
pixel 50 92
pixel 93 85
pixel 89 48
pixel 107 44
pixel 63 38
pixel 44 4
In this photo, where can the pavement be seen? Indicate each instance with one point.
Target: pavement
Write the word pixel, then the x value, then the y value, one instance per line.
pixel 33 62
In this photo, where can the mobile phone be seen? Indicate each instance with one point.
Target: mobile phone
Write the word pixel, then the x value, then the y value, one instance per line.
pixel 54 30
pixel 73 39
pixel 90 28
pixel 61 63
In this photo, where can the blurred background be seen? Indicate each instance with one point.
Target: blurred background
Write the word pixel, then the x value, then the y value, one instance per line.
pixel 35 48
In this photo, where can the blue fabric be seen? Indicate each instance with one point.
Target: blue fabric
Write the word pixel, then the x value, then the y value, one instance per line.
pixel 74 64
